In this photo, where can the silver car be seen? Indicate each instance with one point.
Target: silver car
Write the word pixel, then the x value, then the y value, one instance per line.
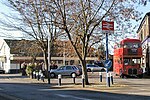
pixel 67 70
pixel 92 67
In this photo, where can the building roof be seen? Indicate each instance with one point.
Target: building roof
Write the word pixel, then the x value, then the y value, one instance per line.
pixel 60 48
pixel 147 14
pixel 19 47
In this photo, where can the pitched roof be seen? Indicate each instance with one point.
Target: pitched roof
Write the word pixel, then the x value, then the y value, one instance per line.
pixel 141 24
pixel 19 47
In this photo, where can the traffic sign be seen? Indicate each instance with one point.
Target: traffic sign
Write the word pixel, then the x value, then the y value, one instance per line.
pixel 108 63
pixel 107 27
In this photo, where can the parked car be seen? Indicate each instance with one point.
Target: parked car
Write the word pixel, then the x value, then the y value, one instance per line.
pixel 80 69
pixel 67 70
pixel 92 67
pixel 2 72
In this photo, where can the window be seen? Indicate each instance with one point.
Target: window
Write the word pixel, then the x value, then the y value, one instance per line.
pixel 61 68
pixel 60 61
pixel 126 61
pixel 68 67
pixel 132 61
pixel 136 61
pixel 132 45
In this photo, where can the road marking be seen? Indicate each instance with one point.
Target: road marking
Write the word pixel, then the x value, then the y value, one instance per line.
pixel 143 89
pixel 70 96
pixel 1 89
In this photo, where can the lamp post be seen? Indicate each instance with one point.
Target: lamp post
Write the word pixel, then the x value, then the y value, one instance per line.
pixel 51 28
pixel 64 50
pixel 64 61
pixel 49 60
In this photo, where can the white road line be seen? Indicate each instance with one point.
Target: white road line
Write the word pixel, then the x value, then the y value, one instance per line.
pixel 70 96
pixel 144 89
pixel 1 89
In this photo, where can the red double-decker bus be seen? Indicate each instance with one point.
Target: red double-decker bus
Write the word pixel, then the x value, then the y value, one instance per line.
pixel 127 58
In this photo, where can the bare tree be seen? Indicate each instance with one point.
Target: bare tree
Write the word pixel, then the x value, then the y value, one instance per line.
pixel 35 19
pixel 81 20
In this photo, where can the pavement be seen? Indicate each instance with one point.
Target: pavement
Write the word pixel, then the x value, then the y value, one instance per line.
pixel 68 83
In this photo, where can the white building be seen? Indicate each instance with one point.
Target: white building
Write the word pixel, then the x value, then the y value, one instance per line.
pixel 4 56
pixel 144 35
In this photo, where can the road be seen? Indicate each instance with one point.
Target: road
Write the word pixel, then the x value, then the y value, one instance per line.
pixel 19 88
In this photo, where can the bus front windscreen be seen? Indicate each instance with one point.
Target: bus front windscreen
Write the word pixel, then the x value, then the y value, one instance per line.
pixel 132 45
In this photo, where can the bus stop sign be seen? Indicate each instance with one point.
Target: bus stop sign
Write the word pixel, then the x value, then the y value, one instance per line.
pixel 108 63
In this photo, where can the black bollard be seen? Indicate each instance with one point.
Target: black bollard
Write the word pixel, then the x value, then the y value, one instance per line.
pixel 42 76
pixel 38 76
pixel 92 70
pixel 48 75
pixel 74 76
pixel 32 75
pixel 111 77
pixel 108 80
pixel 100 74
pixel 59 80
pixel 83 79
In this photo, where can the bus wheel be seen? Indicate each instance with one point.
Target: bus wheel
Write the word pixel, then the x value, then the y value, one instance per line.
pixel 121 76
pixel 140 76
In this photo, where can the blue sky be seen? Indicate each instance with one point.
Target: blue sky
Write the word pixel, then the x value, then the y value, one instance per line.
pixel 144 9
pixel 8 34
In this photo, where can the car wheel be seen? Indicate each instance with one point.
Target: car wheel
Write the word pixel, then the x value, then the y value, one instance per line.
pixel 102 70
pixel 73 73
pixel 88 70
pixel 52 75
pixel 122 76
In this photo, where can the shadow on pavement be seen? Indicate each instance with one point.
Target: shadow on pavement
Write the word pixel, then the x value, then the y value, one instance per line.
pixel 2 76
pixel 80 93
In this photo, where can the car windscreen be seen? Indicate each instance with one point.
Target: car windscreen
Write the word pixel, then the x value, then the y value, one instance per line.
pixel 61 68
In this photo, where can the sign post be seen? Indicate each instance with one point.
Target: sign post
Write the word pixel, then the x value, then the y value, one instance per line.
pixel 108 64
pixel 107 27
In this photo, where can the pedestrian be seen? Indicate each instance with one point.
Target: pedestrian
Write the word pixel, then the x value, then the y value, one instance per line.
pixel 23 67
pixel 54 65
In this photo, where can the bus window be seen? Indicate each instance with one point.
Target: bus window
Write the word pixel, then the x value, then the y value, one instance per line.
pixel 131 45
pixel 126 61
pixel 136 61
pixel 132 61
pixel 136 45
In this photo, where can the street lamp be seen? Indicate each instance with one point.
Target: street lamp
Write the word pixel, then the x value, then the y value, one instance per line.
pixel 49 60
pixel 64 54
pixel 64 49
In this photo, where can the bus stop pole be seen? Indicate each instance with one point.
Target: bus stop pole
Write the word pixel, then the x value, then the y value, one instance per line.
pixel 106 46
pixel 107 76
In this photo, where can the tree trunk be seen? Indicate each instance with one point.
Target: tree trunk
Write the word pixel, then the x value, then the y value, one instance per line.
pixel 46 63
pixel 84 70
